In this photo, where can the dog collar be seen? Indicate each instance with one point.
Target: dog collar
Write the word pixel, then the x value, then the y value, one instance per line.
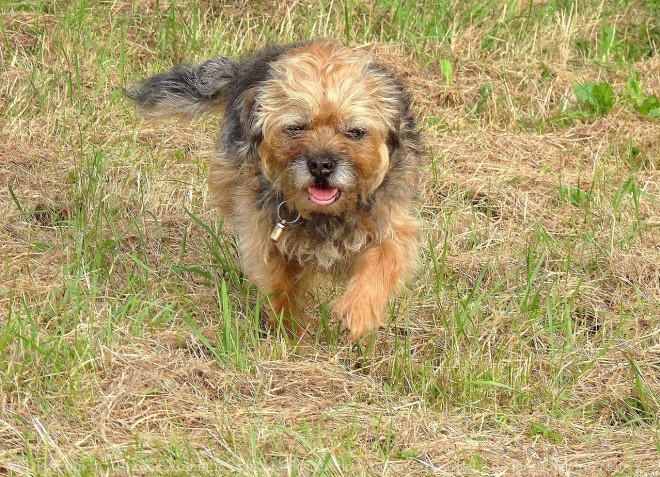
pixel 279 227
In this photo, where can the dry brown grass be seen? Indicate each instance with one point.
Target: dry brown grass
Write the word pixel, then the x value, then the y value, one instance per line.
pixel 529 344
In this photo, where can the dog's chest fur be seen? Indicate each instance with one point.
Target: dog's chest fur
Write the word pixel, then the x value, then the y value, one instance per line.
pixel 326 242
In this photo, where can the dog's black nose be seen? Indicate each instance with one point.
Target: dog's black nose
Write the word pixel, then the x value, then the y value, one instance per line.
pixel 321 166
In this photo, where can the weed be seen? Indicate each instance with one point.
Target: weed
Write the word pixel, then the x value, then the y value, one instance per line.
pixel 595 98
pixel 647 105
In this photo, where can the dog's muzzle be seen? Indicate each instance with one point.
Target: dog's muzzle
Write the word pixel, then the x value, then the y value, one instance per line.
pixel 321 169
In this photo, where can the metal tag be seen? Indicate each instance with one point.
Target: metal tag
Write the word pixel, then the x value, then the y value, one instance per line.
pixel 277 231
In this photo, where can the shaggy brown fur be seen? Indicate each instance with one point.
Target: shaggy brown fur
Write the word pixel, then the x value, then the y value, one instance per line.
pixel 327 133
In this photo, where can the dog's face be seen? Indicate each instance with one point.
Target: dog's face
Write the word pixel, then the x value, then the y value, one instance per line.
pixel 328 121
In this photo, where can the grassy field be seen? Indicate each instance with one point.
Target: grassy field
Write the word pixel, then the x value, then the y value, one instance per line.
pixel 528 343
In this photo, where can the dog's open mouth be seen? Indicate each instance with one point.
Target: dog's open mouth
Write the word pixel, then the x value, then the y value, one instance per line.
pixel 323 195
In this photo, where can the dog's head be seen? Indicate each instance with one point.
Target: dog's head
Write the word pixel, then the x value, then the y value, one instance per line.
pixel 329 123
pixel 324 123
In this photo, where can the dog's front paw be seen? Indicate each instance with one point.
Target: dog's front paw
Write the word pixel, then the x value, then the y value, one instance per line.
pixel 358 315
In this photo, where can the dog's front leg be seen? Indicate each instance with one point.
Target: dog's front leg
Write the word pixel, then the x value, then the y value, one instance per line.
pixel 376 275
pixel 286 306
pixel 286 297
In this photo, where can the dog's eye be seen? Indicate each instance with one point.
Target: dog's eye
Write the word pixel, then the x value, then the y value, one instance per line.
pixel 296 128
pixel 356 133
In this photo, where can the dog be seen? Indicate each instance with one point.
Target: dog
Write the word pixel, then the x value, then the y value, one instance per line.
pixel 318 170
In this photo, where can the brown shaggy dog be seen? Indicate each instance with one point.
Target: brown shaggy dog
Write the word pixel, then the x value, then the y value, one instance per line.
pixel 317 170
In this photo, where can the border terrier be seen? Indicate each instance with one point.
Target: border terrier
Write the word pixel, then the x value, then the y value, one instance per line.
pixel 317 171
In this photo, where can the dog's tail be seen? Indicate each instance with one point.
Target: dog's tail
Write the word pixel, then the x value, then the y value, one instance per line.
pixel 186 90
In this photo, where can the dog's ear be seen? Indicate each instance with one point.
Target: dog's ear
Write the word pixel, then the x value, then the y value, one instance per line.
pixel 404 135
pixel 186 90
pixel 403 130
pixel 242 130
pixel 404 143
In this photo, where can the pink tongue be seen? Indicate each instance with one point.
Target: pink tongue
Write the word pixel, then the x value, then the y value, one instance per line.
pixel 322 195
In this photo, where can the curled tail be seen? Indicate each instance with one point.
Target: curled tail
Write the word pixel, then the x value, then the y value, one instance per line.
pixel 186 90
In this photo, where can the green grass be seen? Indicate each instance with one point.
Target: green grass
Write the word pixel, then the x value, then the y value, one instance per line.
pixel 132 343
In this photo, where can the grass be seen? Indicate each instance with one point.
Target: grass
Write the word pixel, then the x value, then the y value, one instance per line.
pixel 131 343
